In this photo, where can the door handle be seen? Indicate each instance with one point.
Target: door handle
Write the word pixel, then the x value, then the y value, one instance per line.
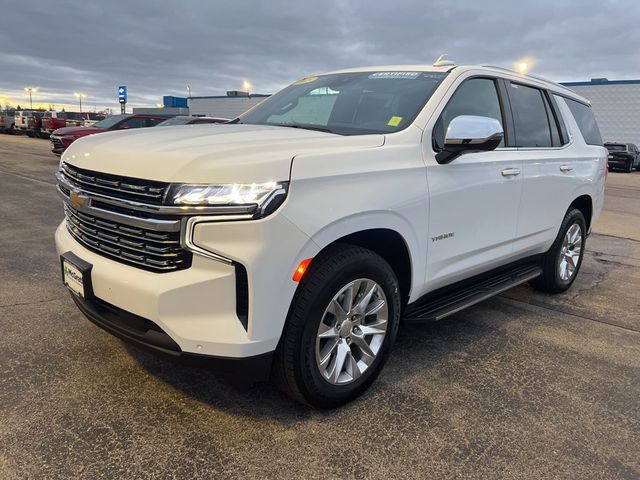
pixel 565 168
pixel 510 172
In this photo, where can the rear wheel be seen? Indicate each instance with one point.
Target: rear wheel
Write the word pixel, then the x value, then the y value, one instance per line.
pixel 561 264
pixel 340 329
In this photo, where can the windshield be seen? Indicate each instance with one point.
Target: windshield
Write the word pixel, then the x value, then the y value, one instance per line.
pixel 348 103
pixel 616 148
pixel 110 121
pixel 176 121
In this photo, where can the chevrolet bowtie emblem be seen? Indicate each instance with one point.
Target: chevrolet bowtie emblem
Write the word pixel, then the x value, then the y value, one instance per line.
pixel 78 200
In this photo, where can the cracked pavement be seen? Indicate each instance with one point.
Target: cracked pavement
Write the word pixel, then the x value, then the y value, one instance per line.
pixel 524 385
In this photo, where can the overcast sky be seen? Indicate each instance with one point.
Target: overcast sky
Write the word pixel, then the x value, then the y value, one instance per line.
pixel 157 47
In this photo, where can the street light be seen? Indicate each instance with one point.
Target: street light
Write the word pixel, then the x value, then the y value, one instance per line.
pixel 246 86
pixel 31 91
pixel 523 67
pixel 80 96
pixel 189 91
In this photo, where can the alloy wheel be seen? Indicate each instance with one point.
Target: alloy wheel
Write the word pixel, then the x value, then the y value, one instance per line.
pixel 570 252
pixel 352 331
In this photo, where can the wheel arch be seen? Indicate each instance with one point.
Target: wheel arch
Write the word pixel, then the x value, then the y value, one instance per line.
pixel 391 246
pixel 584 203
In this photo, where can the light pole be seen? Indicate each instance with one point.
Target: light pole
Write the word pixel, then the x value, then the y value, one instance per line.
pixel 80 96
pixel 188 91
pixel 246 86
pixel 31 91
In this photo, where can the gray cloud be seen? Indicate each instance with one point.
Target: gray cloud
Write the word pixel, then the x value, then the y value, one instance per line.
pixel 158 47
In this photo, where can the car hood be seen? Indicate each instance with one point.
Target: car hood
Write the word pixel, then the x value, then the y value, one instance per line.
pixel 78 131
pixel 211 153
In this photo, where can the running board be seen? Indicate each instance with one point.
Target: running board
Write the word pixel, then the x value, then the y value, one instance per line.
pixel 449 300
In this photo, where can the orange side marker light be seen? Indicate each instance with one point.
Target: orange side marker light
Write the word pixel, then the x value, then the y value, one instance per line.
pixel 302 267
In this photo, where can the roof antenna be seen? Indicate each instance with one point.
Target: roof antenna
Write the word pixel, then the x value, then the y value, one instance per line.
pixel 443 61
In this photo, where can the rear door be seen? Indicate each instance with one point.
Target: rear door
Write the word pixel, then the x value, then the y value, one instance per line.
pixel 474 199
pixel 548 168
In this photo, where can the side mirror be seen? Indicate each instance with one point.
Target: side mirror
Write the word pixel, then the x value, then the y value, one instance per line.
pixel 470 133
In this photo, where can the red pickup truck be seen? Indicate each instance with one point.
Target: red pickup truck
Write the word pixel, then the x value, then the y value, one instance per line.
pixel 52 121
pixel 63 137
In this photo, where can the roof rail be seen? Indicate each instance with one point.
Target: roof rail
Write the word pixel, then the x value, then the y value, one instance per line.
pixel 535 77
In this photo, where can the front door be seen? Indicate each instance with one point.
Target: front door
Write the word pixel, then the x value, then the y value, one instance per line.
pixel 474 200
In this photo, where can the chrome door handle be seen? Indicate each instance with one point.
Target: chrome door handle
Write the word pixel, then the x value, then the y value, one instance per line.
pixel 510 172
pixel 565 168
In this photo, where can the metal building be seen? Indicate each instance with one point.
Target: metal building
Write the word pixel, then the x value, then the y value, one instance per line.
pixel 225 106
pixel 616 105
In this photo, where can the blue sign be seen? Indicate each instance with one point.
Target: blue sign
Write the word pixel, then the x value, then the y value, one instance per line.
pixel 122 94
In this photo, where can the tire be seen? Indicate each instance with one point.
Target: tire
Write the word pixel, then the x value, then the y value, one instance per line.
pixel 629 166
pixel 298 369
pixel 552 279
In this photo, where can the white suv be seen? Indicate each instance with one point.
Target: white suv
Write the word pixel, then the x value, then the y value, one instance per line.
pixel 291 242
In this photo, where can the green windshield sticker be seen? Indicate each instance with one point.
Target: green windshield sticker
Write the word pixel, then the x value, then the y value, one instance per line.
pixel 394 75
pixel 394 121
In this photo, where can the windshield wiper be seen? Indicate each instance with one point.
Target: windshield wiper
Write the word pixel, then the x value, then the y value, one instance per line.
pixel 235 120
pixel 304 126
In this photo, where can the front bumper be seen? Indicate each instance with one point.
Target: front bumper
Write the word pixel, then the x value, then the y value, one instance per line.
pixel 618 162
pixel 147 335
pixel 59 145
pixel 196 307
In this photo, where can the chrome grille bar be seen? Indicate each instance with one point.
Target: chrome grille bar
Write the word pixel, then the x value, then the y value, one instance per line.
pixel 135 246
pixel 119 187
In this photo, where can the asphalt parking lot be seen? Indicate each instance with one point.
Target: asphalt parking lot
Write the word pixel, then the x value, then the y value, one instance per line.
pixel 521 386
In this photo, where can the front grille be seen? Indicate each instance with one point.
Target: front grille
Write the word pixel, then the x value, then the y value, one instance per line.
pixel 116 186
pixel 147 249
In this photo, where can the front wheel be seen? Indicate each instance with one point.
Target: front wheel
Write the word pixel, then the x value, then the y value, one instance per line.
pixel 340 329
pixel 629 166
pixel 561 264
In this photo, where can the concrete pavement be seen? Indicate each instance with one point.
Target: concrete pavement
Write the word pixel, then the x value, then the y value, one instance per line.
pixel 523 386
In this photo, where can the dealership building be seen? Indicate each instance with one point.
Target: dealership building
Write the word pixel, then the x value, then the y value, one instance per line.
pixel 616 105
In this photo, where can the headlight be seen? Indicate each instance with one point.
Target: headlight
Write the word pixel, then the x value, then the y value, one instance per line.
pixel 265 196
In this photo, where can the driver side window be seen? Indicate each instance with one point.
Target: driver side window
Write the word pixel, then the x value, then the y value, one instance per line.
pixel 476 96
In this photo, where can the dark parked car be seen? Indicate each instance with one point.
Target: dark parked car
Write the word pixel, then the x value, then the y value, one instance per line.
pixel 624 156
pixel 185 120
pixel 63 137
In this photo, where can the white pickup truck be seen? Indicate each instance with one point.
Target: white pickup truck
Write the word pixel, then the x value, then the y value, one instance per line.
pixel 290 243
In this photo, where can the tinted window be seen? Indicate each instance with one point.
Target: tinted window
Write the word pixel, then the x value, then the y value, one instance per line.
pixel 134 122
pixel 111 122
pixel 616 148
pixel 176 121
pixel 564 134
pixel 477 96
pixel 152 122
pixel 557 138
pixel 586 122
pixel 530 116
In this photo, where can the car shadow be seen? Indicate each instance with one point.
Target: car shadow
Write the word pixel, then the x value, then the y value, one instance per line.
pixel 420 349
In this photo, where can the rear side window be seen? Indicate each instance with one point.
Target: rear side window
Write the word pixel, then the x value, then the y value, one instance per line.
pixel 152 122
pixel 530 117
pixel 476 96
pixel 586 122
pixel 133 122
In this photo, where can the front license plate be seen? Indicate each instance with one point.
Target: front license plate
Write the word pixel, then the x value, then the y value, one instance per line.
pixel 73 277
